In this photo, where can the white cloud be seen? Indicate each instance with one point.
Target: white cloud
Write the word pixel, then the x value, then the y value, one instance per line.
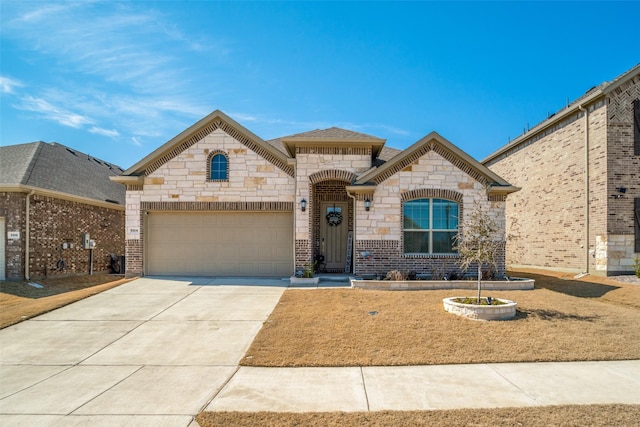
pixel 119 42
pixel 109 62
pixel 51 112
pixel 136 141
pixel 105 132
pixel 7 84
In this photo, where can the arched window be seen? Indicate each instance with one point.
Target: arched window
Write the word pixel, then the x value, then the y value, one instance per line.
pixel 429 226
pixel 219 167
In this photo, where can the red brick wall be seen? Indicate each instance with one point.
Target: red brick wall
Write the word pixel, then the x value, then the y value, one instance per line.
pixel 54 222
pixel 12 208
pixel 385 255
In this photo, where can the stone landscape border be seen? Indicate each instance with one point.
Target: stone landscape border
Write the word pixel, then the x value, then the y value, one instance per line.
pixel 513 284
pixel 504 311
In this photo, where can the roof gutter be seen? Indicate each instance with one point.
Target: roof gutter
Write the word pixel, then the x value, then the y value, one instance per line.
pixel 355 230
pixel 586 188
pixel 577 106
pixel 20 188
pixel 128 179
pixel 544 125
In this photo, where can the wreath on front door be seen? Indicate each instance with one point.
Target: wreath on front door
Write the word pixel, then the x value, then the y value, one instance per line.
pixel 334 218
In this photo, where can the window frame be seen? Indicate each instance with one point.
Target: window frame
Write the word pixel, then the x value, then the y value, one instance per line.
pixel 210 170
pixel 430 230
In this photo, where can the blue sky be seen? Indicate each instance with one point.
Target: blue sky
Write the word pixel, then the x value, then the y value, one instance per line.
pixel 118 79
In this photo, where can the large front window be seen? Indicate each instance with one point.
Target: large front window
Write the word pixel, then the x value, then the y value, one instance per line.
pixel 430 226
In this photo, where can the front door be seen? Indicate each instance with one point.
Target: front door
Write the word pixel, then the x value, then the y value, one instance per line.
pixel 334 230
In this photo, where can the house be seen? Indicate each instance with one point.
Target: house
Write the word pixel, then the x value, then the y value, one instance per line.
pixel 579 170
pixel 51 197
pixel 219 200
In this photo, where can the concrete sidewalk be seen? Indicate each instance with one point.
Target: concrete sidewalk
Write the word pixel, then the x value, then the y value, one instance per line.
pixel 429 387
pixel 157 351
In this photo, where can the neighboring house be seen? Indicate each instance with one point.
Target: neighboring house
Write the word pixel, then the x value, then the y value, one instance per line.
pixel 50 197
pixel 579 170
pixel 219 200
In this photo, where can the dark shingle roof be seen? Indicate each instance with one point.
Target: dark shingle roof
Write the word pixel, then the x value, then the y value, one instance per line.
pixel 387 153
pixel 277 143
pixel 53 166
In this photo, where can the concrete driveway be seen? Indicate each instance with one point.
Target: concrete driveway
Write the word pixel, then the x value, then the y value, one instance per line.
pixel 154 352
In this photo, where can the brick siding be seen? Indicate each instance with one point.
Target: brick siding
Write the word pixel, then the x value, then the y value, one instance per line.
pixel 547 217
pixel 383 256
pixel 54 222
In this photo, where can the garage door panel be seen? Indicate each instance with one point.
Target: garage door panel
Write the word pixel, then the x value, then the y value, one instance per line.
pixel 221 243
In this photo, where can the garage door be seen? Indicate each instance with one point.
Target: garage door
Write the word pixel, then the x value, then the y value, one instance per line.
pixel 219 244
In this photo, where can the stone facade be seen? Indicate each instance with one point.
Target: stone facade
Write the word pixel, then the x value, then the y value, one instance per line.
pixel 317 167
pixel 54 222
pixel 183 180
pixel 569 213
pixel 380 231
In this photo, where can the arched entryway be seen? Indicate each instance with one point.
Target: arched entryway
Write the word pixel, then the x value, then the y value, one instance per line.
pixel 332 222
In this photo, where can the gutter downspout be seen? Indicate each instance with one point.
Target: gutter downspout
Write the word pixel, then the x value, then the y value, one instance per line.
pixel 27 206
pixel 586 186
pixel 295 215
pixel 353 247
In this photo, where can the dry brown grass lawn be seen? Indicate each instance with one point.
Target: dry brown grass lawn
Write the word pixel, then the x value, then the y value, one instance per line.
pixel 566 416
pixel 20 301
pixel 561 320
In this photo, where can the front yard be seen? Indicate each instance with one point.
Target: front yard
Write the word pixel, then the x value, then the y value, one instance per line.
pixel 22 300
pixel 561 320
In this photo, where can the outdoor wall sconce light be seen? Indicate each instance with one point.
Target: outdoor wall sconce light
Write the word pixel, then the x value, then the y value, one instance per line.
pixel 303 205
pixel 621 191
pixel 367 205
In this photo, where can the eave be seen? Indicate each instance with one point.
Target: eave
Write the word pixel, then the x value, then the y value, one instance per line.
pixel 20 188
pixel 290 144
pixel 576 106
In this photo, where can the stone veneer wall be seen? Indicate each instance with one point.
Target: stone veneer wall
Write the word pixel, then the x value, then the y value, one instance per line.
pixel 53 222
pixel 379 231
pixel 183 179
pixel 316 165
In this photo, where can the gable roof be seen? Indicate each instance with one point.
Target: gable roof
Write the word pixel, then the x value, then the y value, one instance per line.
pixel 435 142
pixel 332 133
pixel 60 169
pixel 193 134
pixel 331 136
pixel 592 95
